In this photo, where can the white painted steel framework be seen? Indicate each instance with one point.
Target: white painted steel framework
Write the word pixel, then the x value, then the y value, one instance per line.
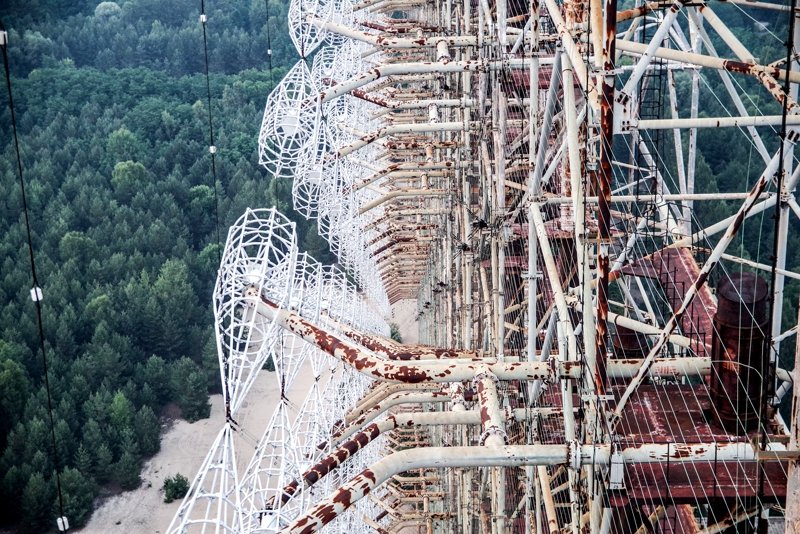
pixel 601 325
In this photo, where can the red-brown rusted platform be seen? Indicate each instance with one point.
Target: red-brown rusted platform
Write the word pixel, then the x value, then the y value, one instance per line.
pixel 682 414
pixel 675 413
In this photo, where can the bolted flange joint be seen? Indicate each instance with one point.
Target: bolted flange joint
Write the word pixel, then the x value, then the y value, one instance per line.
pixel 493 431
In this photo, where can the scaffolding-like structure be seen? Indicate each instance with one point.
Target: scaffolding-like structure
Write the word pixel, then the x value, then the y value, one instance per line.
pixel 600 343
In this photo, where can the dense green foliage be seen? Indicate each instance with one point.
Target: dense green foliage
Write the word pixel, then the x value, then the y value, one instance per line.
pixel 175 487
pixel 112 116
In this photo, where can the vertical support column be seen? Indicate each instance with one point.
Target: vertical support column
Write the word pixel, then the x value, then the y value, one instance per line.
pixel 694 106
pixel 500 208
pixel 449 289
pixel 603 186
pixel 494 436
pixel 783 229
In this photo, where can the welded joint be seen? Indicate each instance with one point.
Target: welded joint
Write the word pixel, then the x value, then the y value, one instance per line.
pixel 251 296
pixel 484 374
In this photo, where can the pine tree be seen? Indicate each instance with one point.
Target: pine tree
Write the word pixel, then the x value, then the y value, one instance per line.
pixel 175 487
pixel 103 463
pixel 83 461
pixel 195 400
pixel 126 471
pixel 147 430
pixel 78 495
pixel 36 499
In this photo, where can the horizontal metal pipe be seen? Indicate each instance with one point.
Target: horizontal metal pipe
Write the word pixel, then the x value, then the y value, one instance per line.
pixel 392 350
pixel 656 198
pixel 394 69
pixel 395 129
pixel 369 364
pixel 393 42
pixel 507 456
pixel 715 122
pixel 369 434
pixel 401 193
pixel 384 390
pixel 644 328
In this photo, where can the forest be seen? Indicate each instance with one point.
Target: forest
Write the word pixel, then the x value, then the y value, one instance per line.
pixel 127 219
pixel 112 115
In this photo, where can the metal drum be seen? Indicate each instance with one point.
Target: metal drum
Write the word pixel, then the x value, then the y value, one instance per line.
pixel 739 352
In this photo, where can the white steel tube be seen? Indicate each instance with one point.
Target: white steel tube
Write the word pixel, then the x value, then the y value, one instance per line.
pixel 395 69
pixel 716 122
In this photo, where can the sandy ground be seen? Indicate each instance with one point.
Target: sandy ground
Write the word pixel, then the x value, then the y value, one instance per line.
pixel 404 314
pixel 183 448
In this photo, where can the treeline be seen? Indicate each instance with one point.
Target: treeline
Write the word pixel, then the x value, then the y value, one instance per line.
pixel 148 33
pixel 123 210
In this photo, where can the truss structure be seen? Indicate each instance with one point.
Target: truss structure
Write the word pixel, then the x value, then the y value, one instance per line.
pixel 605 346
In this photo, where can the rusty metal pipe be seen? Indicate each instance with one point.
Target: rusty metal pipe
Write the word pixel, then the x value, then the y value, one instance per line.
pixel 491 416
pixel 371 365
pixel 361 439
pixel 377 410
pixel 737 67
pixel 382 392
pixel 396 351
pixel 507 456
pixel 420 68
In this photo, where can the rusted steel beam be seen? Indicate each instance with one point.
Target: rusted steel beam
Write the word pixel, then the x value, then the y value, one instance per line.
pixel 603 189
pixel 730 65
pixel 642 10
pixel 371 365
pixel 369 434
pixel 393 229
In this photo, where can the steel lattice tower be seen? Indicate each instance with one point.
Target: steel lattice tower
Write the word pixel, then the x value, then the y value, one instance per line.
pixel 597 355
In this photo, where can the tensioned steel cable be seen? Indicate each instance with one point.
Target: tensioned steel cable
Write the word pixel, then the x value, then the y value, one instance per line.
pixel 212 149
pixel 36 290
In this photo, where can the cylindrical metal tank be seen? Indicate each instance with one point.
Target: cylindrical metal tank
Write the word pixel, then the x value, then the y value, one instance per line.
pixel 628 343
pixel 739 352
